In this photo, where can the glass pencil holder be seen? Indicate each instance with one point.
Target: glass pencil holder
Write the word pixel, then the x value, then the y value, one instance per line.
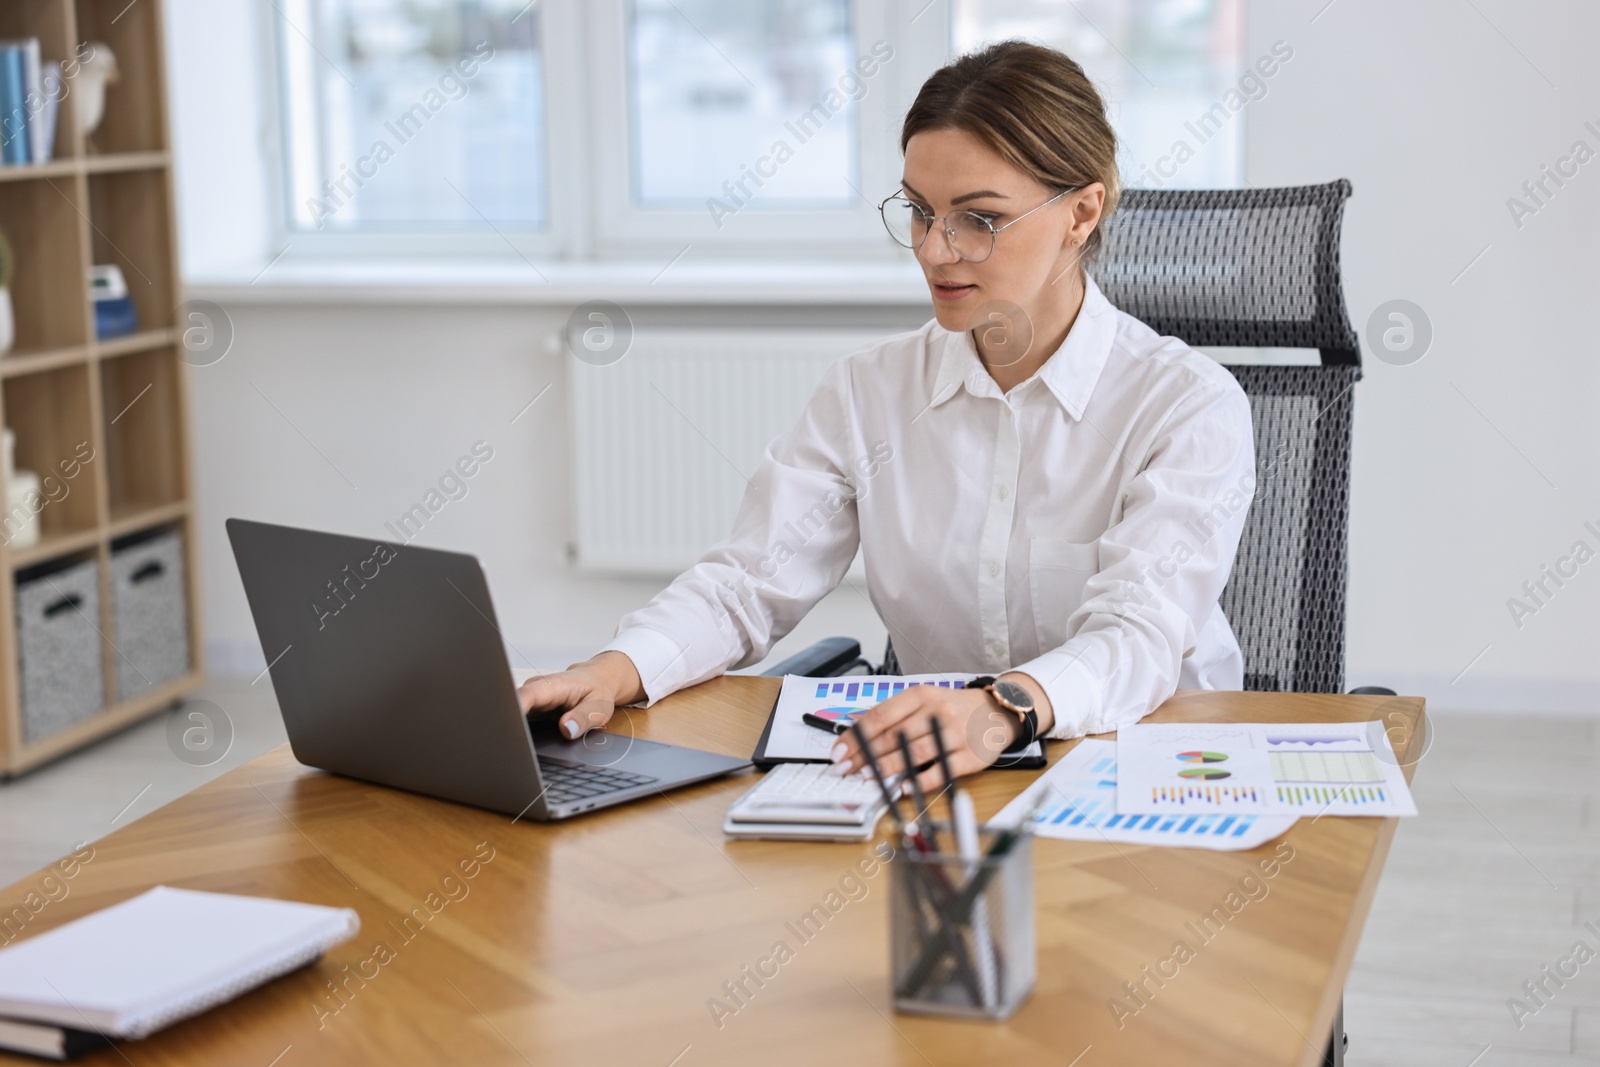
pixel 961 935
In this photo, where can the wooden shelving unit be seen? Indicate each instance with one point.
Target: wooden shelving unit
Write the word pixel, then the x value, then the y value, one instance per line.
pixel 105 199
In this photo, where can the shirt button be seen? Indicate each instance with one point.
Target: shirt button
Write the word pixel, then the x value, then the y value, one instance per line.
pixel 994 568
pixel 997 648
pixel 1004 492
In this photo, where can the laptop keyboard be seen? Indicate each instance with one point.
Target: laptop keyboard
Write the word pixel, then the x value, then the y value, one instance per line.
pixel 566 782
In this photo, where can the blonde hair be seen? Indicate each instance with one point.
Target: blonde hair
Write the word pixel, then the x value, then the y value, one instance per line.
pixel 1032 105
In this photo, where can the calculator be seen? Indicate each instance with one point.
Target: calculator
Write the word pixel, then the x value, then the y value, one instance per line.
pixel 807 801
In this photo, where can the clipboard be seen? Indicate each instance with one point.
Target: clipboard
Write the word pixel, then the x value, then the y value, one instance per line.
pixel 1030 758
pixel 760 758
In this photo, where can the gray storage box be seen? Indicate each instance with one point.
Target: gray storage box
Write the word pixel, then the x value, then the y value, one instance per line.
pixel 149 612
pixel 58 645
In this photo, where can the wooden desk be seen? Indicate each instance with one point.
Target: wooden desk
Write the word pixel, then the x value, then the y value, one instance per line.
pixel 602 940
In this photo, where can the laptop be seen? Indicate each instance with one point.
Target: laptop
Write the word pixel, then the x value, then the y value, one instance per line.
pixel 389 667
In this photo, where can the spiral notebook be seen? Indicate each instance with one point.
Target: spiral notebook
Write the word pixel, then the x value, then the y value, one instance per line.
pixel 130 969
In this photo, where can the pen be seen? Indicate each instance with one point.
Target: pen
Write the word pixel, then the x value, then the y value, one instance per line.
pixel 978 980
pixel 910 830
pixel 959 911
pixel 964 824
pixel 833 726
pixel 966 830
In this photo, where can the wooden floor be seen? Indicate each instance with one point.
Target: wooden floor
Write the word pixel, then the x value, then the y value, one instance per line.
pixel 85 796
pixel 1490 884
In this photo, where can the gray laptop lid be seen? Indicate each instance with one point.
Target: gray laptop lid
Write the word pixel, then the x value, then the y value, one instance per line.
pixel 388 664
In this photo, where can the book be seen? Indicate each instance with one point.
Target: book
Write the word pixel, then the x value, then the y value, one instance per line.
pixel 32 95
pixel 133 968
pixel 13 103
pixel 49 114
pixel 46 1041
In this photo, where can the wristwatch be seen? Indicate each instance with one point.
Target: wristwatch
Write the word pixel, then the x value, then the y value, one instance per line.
pixel 1019 702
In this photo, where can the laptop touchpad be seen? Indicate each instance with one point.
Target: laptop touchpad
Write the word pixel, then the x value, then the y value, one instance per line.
pixel 597 747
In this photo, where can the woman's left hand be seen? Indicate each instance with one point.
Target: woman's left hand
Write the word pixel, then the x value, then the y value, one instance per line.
pixel 974 727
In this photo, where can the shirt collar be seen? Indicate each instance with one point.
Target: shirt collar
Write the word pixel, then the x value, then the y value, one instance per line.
pixel 1070 373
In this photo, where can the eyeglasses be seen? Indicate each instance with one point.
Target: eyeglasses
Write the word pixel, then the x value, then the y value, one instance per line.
pixel 969 234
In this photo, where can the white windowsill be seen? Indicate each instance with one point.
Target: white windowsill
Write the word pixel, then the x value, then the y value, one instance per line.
pixel 515 282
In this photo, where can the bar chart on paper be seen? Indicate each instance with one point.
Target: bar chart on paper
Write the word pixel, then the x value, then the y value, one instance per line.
pixel 877 690
pixel 845 701
pixel 1077 800
pixel 1324 778
pixel 837 700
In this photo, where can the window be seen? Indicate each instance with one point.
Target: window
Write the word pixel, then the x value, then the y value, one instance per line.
pixel 1163 66
pixel 594 128
pixel 713 84
pixel 413 114
pixel 742 126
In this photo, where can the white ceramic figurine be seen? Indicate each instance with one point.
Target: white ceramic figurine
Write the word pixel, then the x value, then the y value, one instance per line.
pixel 97 70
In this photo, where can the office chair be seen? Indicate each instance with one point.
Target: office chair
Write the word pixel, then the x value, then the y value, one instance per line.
pixel 1247 268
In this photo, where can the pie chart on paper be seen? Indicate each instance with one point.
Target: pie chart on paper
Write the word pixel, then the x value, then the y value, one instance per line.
pixel 1202 757
pixel 1204 774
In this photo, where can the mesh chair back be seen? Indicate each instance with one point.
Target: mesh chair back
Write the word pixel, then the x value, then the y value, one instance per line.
pixel 1233 267
pixel 1286 595
pixel 1260 268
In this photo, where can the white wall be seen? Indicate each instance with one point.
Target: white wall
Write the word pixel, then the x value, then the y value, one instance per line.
pixel 388 399
pixel 1426 107
pixel 1437 119
pixel 219 127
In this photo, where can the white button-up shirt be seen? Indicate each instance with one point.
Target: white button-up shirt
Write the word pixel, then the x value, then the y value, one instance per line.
pixel 1078 528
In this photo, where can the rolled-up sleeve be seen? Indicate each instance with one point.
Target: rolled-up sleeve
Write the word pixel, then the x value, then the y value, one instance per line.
pixel 1163 563
pixel 795 536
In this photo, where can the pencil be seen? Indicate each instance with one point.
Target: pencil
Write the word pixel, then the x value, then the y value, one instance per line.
pixel 866 751
pixel 917 797
pixel 944 764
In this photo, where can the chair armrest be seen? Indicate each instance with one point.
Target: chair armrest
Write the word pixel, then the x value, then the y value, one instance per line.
pixel 1372 691
pixel 827 658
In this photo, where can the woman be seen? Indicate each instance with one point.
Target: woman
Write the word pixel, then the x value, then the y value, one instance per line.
pixel 1043 489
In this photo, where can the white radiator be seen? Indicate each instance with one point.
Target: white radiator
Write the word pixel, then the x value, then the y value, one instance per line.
pixel 665 438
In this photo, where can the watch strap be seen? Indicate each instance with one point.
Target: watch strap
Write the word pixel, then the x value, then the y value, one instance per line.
pixel 1029 734
pixel 1029 720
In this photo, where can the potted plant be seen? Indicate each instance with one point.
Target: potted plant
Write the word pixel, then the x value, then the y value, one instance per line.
pixel 8 326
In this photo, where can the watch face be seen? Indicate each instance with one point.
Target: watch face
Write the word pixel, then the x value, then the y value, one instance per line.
pixel 1013 695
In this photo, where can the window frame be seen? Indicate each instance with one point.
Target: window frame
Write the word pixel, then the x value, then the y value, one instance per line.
pixel 623 228
pixel 591 216
pixel 562 238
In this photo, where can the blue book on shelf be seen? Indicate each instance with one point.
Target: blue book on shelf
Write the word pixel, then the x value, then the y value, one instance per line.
pixel 50 83
pixel 13 105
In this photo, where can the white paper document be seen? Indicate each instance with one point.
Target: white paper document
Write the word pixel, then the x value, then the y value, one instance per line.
pixel 1260 769
pixel 1077 800
pixel 839 700
pixel 836 700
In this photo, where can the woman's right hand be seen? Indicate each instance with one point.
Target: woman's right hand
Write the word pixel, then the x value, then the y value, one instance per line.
pixel 585 694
